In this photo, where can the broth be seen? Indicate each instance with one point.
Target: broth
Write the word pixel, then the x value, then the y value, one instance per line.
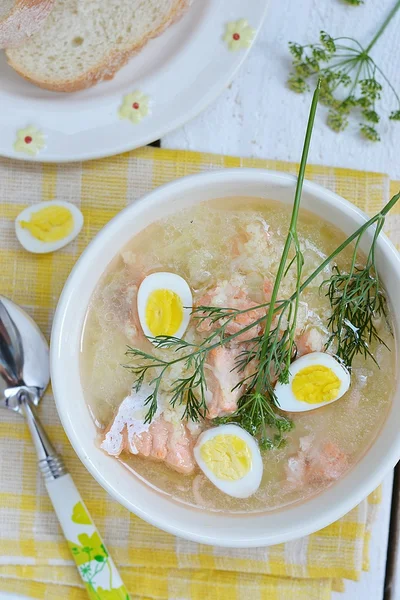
pixel 238 239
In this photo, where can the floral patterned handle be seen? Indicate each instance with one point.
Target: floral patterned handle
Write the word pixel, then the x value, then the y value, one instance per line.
pixel 94 563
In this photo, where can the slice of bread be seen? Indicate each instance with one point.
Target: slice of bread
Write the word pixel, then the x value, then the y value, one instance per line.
pixel 86 41
pixel 19 19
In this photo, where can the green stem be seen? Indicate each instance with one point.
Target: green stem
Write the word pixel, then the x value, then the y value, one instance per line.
pixel 350 40
pixel 383 27
pixel 388 82
pixel 349 240
pixel 355 82
pixel 339 64
pixel 99 568
pixel 110 569
pixel 90 584
pixel 292 229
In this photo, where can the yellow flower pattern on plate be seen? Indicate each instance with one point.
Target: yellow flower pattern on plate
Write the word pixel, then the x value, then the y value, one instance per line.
pixel 29 141
pixel 134 107
pixel 238 35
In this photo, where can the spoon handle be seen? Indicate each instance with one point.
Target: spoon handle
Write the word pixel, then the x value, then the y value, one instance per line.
pixel 95 565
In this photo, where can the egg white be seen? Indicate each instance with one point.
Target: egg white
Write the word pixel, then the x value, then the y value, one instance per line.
pixel 247 485
pixel 286 399
pixel 30 243
pixel 164 281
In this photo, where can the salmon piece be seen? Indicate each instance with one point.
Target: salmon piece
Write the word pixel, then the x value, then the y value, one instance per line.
pixel 238 242
pixel 143 444
pixel 180 444
pixel 154 441
pixel 161 440
pixel 296 469
pixel 329 464
pixel 168 442
pixel 312 339
pixel 267 289
pixel 258 230
pixel 316 465
pixel 222 377
pixel 227 295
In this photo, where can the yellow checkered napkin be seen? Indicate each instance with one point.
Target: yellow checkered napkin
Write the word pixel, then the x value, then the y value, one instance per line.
pixel 34 558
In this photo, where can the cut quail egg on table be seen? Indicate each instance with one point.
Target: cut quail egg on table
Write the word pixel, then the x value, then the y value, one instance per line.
pixel 230 458
pixel 164 304
pixel 48 226
pixel 315 380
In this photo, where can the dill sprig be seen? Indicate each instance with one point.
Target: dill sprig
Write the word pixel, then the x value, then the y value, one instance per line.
pixel 257 415
pixel 217 315
pixel 256 412
pixel 351 81
pixel 189 391
pixel 271 353
pixel 357 301
pixel 268 356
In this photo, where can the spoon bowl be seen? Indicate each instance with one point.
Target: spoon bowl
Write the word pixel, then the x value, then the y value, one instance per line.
pixel 24 356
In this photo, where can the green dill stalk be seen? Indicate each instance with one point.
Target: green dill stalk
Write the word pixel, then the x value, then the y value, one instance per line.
pixel 382 27
pixel 274 352
pixel 379 217
pixel 292 238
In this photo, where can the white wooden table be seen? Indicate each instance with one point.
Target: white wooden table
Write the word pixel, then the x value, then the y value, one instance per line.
pixel 258 116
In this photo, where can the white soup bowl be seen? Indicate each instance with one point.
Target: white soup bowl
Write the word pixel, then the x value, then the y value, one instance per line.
pixel 220 529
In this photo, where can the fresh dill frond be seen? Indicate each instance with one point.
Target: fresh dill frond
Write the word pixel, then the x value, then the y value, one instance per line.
pixel 189 391
pixel 271 352
pixel 266 357
pixel 218 319
pixel 351 81
pixel 357 301
pixel 258 415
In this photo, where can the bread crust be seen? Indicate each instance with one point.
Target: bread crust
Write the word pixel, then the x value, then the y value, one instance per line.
pixel 24 19
pixel 107 68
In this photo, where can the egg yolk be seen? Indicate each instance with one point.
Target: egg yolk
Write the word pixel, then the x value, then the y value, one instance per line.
pixel 164 312
pixel 50 224
pixel 315 384
pixel 227 456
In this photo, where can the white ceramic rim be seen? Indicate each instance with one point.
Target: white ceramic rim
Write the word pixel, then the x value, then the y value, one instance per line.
pixel 341 497
pixel 85 125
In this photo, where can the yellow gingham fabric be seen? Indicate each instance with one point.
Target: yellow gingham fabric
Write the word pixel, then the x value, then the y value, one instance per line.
pixel 34 559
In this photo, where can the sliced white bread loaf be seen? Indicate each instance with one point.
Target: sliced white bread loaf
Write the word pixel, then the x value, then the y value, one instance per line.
pixel 86 41
pixel 19 19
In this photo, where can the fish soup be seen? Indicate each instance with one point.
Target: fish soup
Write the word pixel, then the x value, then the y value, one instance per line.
pixel 219 430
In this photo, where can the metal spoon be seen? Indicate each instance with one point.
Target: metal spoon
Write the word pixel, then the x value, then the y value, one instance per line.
pixel 24 376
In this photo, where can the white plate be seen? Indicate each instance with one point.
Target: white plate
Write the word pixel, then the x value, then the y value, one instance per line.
pixel 180 73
